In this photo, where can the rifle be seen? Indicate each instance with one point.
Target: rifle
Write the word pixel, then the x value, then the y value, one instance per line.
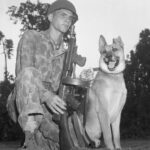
pixel 66 90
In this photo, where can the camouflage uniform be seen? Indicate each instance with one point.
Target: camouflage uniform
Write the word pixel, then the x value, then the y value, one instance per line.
pixel 38 70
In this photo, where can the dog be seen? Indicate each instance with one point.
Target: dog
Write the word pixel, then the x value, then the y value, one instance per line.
pixel 107 96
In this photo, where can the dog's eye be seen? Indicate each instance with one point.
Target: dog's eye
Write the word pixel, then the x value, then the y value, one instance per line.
pixel 114 49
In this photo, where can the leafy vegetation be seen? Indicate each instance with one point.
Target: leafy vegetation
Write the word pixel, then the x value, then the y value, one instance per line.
pixel 30 15
pixel 136 118
pixel 7 49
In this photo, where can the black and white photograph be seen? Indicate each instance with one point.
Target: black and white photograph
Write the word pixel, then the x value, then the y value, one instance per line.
pixel 75 75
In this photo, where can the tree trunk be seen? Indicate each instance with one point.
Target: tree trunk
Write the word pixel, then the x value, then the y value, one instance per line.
pixel 5 68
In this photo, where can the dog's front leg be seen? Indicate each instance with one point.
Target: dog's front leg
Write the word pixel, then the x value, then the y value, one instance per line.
pixel 92 127
pixel 106 129
pixel 116 132
pixel 116 122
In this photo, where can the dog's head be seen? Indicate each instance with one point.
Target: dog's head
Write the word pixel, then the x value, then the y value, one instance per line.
pixel 112 58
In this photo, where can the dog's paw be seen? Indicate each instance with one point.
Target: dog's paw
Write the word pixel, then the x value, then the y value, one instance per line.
pixel 97 143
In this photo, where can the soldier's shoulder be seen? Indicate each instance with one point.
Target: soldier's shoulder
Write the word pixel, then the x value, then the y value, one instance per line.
pixel 30 34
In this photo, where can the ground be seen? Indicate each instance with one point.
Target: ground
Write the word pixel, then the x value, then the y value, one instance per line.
pixel 9 145
pixel 137 144
pixel 126 144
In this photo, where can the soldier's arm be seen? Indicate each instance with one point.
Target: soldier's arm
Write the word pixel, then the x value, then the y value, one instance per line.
pixel 25 52
pixel 26 58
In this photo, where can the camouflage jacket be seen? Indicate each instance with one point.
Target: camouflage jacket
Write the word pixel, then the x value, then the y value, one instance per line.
pixel 37 50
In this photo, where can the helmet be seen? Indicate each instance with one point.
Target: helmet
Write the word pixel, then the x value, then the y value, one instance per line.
pixel 63 4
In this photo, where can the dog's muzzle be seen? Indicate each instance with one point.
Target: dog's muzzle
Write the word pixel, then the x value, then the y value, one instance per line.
pixel 111 62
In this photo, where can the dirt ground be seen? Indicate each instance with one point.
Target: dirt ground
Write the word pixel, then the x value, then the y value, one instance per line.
pixel 9 145
pixel 126 144
pixel 136 144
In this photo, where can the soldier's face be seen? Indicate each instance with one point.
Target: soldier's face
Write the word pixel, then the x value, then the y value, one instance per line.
pixel 61 20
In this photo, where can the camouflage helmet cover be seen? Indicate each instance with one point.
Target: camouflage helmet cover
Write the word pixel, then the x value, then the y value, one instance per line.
pixel 63 4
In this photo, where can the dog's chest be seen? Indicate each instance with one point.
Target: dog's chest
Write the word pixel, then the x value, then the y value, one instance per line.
pixel 112 82
pixel 109 90
pixel 109 86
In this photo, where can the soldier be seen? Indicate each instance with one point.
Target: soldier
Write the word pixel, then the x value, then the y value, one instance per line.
pixel 39 65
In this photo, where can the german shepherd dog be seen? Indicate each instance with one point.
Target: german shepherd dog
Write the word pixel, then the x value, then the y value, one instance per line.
pixel 107 96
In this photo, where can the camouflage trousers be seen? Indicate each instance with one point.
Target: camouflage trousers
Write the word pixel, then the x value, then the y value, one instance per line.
pixel 29 89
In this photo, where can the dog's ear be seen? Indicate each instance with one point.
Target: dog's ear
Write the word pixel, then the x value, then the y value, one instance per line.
pixel 102 43
pixel 118 41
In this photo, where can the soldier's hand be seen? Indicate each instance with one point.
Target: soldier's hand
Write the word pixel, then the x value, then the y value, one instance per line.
pixel 57 105
pixel 87 74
